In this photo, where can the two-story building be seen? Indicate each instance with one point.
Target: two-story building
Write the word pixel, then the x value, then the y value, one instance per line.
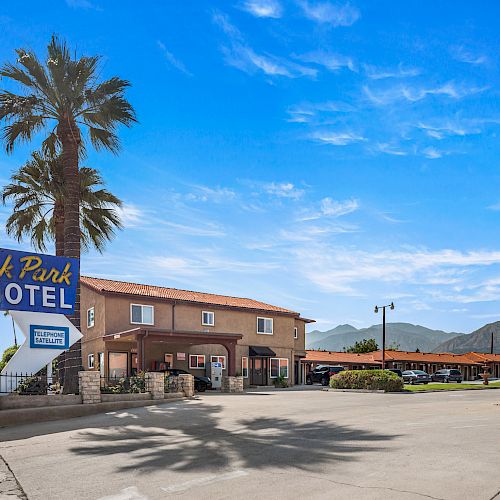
pixel 129 327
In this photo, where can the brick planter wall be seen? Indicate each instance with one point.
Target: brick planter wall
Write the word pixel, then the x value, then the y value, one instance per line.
pixel 90 386
pixel 155 384
pixel 232 384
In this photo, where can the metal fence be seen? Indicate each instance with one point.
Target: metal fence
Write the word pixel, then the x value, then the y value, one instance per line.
pixel 120 385
pixel 29 384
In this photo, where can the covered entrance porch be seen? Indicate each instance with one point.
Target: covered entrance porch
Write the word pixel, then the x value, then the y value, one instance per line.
pixel 146 349
pixel 259 364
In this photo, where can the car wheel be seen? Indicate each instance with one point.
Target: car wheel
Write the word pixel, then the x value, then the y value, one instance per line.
pixel 425 383
pixel 447 380
pixel 202 388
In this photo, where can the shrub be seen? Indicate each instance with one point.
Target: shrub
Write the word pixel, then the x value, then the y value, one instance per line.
pixel 381 380
pixel 280 381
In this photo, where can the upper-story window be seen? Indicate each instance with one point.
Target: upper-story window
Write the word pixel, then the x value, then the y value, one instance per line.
pixel 208 318
pixel 141 315
pixel 265 326
pixel 295 333
pixel 90 317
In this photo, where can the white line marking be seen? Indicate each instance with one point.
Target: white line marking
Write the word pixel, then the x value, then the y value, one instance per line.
pixel 130 493
pixel 213 478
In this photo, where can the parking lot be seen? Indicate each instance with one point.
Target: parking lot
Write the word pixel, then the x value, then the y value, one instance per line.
pixel 275 444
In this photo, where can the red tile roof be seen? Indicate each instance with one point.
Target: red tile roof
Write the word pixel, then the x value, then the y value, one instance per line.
pixel 340 357
pixel 159 292
pixel 375 358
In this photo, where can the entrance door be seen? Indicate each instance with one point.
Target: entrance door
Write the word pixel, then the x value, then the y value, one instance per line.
pixel 257 371
pixel 296 373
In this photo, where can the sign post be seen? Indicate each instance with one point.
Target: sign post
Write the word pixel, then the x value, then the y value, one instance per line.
pixel 38 291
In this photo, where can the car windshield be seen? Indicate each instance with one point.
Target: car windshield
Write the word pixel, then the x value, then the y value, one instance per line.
pixel 419 372
pixel 455 372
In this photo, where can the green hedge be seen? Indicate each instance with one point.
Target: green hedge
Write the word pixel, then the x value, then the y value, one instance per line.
pixel 373 380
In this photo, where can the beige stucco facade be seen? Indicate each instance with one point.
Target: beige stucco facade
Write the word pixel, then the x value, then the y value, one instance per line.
pixel 112 317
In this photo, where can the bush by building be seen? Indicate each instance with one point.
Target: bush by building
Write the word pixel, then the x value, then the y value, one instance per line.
pixel 373 380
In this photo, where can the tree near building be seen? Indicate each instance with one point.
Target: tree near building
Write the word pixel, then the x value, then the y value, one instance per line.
pixel 7 355
pixel 64 98
pixel 37 193
pixel 362 346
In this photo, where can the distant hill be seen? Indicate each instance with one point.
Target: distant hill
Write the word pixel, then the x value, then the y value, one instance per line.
pixel 409 337
pixel 479 340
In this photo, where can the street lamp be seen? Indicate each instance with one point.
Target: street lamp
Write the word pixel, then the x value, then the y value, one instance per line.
pixel 391 306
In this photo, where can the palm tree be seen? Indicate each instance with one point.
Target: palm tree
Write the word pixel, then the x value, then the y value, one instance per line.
pixel 64 98
pixel 37 192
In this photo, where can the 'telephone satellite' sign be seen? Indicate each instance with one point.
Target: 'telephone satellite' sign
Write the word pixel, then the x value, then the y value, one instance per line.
pixel 37 283
pixel 49 337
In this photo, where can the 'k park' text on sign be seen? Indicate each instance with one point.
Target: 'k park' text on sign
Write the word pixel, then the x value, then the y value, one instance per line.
pixel 36 282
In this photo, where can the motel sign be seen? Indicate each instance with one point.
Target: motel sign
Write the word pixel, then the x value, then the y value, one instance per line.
pixel 37 283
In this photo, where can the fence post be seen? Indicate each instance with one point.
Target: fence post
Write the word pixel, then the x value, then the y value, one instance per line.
pixel 232 384
pixel 186 381
pixel 90 386
pixel 155 384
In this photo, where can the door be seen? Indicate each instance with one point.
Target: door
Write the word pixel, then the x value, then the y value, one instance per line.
pixel 257 371
pixel 296 373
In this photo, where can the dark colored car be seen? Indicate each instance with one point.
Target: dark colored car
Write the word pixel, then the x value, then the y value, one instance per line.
pixel 448 375
pixel 201 383
pixel 399 373
pixel 322 374
pixel 416 377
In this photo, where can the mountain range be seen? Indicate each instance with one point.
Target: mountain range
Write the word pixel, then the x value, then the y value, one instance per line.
pixel 407 336
pixel 479 341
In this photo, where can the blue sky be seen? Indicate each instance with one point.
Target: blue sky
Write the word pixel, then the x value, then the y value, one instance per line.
pixel 321 156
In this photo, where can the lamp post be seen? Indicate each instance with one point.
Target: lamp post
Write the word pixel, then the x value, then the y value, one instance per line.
pixel 391 306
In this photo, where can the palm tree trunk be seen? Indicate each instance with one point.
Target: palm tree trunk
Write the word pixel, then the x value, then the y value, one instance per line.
pixel 59 227
pixel 69 135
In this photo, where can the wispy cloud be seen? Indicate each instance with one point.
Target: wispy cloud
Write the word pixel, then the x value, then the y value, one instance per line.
pixel 171 59
pixel 432 153
pixel 442 130
pixel 329 60
pixel 376 73
pixel 305 112
pixel 414 93
pixel 263 8
pixel 283 190
pixel 335 14
pixel 331 208
pixel 82 4
pixel 241 56
pixel 131 215
pixel 464 55
pixel 216 194
pixel 337 138
pixel 383 147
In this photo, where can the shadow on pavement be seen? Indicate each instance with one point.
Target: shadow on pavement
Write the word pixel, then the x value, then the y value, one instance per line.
pixel 193 438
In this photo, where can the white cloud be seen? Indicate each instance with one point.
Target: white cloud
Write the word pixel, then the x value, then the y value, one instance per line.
pixel 207 230
pixel 131 215
pixel 263 8
pixel 306 112
pixel 172 60
pixel 283 190
pixel 337 138
pixel 208 194
pixel 467 56
pixel 331 61
pixel 447 129
pixel 389 149
pixel 335 14
pixel 328 207
pixel 241 56
pixel 414 94
pixel 375 73
pixel 433 153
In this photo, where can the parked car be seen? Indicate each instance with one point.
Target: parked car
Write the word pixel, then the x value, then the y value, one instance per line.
pixel 416 377
pixel 399 373
pixel 448 375
pixel 201 383
pixel 322 374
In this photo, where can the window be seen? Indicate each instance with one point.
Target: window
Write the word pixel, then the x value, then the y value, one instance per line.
pixel 90 317
pixel 295 333
pixel 244 367
pixel 197 361
pixel 100 360
pixel 169 360
pixel 219 359
pixel 117 364
pixel 279 367
pixel 265 326
pixel 207 318
pixel 90 360
pixel 142 315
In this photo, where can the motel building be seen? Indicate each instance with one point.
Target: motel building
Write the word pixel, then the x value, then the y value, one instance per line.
pixel 129 328
pixel 470 364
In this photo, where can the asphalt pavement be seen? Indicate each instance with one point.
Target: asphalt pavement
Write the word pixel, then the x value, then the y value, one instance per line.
pixel 270 444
